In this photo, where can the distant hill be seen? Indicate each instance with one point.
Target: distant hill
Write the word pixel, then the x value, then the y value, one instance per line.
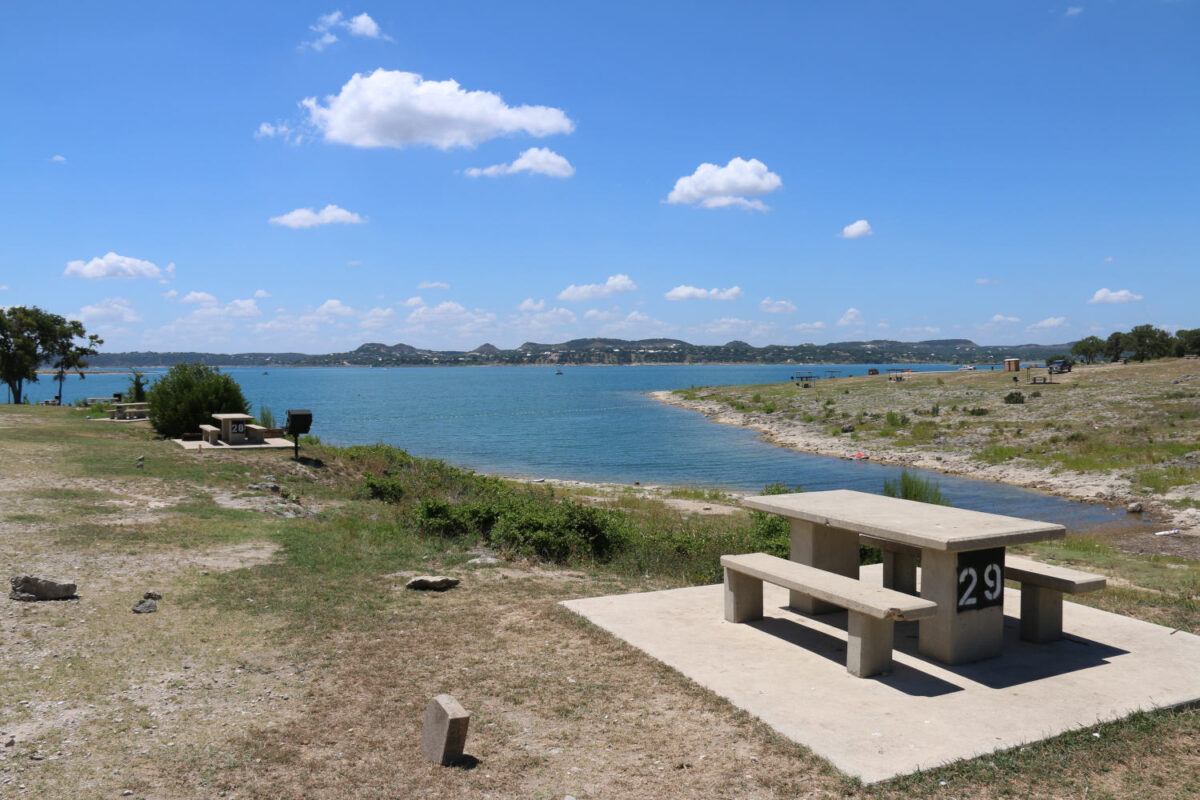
pixel 615 351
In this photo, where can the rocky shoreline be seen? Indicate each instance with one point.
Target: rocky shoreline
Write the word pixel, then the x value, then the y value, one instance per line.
pixel 1112 488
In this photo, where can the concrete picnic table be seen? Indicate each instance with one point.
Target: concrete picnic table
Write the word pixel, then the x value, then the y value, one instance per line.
pixel 233 426
pixel 962 558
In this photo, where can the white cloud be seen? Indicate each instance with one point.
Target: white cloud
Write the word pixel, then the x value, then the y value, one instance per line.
pixel 200 298
pixel 739 328
pixel 242 308
pixel 1108 258
pixel 334 308
pixel 1000 318
pixel 596 315
pixel 170 294
pixel 926 330
pixel 810 326
pixel 694 293
pixel 433 285
pixel 354 263
pixel 776 306
pixel 389 108
pixel 109 310
pixel 362 25
pixel 528 304
pixel 3 287
pixel 616 284
pixel 541 321
pixel 1073 11
pixel 377 318
pixel 987 282
pixel 1048 324
pixel 852 317
pixel 856 230
pixel 711 186
pixel 59 159
pixel 307 218
pixel 537 160
pixel 266 130
pixel 637 325
pixel 261 293
pixel 111 265
pixel 413 302
pixel 452 316
pixel 1120 296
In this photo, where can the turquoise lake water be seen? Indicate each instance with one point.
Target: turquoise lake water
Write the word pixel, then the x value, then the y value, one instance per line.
pixel 590 424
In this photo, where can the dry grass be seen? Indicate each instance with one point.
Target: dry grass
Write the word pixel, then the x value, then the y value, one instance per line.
pixel 287 661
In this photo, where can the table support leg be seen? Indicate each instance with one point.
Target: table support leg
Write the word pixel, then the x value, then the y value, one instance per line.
pixel 825 548
pixel 869 645
pixel 900 571
pixel 743 597
pixel 1041 614
pixel 950 636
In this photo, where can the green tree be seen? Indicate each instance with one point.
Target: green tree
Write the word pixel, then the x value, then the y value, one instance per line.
pixel 1147 341
pixel 1189 341
pixel 1088 348
pixel 30 337
pixel 187 397
pixel 1116 344
pixel 136 391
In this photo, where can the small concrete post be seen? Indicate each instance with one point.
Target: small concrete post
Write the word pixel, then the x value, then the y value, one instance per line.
pixel 869 645
pixel 1041 614
pixel 743 597
pixel 444 733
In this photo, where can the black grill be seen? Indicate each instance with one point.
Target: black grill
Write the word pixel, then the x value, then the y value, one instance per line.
pixel 299 420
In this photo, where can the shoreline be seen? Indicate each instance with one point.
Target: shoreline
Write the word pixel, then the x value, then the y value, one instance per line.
pixel 1107 489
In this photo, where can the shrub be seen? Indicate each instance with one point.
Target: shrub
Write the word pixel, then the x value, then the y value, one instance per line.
pixel 266 417
pixel 914 487
pixel 563 531
pixel 977 412
pixel 136 391
pixel 187 397
pixel 1014 398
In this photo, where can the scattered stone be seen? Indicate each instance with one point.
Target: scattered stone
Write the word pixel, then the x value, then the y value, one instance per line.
pixel 444 732
pixel 1134 508
pixel 484 560
pixel 145 606
pixel 152 596
pixel 848 428
pixel 29 589
pixel 438 583
pixel 1183 379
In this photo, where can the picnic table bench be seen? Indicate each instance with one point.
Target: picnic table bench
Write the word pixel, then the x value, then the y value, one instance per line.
pixel 1040 379
pixel 210 433
pixel 872 611
pixel 1042 589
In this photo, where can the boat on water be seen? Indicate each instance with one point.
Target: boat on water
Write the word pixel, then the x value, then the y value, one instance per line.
pixel 558 372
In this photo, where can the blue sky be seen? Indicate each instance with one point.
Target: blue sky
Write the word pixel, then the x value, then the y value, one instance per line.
pixel 308 177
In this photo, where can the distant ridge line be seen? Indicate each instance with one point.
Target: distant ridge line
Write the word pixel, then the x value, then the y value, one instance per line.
pixel 598 350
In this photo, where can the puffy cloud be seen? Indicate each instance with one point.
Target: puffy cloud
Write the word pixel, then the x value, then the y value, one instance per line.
pixel 637 325
pixel 266 130
pixel 856 230
pixel 539 320
pixel 200 298
pixel 261 293
pixel 596 315
pixel 389 108
pixel 1121 296
pixel 711 186
pixel 109 310
pixel 362 25
pixel 528 304
pixel 1049 323
pixel 537 160
pixel 334 308
pixel 693 293
pixel 59 159
pixel 413 302
pixel 810 326
pixel 377 318
pixel 852 317
pixel 616 284
pixel 741 328
pixel 433 285
pixel 170 294
pixel 453 316
pixel 776 306
pixel 1000 318
pixel 111 265
pixel 307 218
pixel 242 308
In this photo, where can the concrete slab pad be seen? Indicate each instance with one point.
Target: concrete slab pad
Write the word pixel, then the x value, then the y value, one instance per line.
pixel 267 444
pixel 789 670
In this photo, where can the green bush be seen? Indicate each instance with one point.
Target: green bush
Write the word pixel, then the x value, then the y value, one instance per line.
pixel 1014 399
pixel 135 392
pixel 565 531
pixel 187 397
pixel 978 412
pixel 914 487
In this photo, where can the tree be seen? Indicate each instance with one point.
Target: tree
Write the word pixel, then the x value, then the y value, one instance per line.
pixel 187 397
pixel 70 356
pixel 1116 344
pixel 1147 341
pixel 1189 341
pixel 30 337
pixel 136 393
pixel 1088 348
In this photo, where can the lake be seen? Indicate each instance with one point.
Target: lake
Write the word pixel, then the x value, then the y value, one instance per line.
pixel 589 424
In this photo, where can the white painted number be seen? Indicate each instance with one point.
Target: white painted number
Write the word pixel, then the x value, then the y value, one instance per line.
pixel 993 579
pixel 968 597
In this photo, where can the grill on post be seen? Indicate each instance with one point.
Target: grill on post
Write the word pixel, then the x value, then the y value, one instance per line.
pixel 299 420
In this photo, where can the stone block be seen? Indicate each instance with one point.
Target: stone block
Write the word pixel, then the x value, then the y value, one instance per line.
pixel 444 732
